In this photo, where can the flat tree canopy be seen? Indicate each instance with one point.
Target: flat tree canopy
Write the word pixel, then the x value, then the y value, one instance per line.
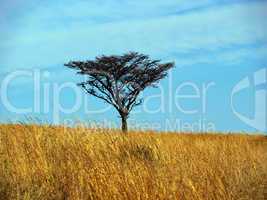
pixel 119 79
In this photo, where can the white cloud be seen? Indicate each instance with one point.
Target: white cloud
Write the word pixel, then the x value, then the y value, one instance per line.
pixel 210 30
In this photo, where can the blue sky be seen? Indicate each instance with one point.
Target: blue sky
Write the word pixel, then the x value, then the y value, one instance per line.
pixel 211 41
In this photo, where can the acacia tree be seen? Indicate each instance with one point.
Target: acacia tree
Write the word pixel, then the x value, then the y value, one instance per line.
pixel 118 80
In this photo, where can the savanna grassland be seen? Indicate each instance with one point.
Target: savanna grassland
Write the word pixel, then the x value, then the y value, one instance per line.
pixel 47 162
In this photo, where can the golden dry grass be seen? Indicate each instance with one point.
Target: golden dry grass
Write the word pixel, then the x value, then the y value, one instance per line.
pixel 45 162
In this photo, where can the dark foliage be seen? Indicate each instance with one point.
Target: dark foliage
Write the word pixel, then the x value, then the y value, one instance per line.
pixel 118 80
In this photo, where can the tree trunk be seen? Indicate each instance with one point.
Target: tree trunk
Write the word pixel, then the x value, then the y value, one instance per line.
pixel 124 127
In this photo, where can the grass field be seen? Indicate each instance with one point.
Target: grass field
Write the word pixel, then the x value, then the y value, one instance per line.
pixel 45 162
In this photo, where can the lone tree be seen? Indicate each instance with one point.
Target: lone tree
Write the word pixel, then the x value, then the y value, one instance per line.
pixel 118 80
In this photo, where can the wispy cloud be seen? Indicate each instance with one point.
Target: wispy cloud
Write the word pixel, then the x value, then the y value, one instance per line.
pixel 53 33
